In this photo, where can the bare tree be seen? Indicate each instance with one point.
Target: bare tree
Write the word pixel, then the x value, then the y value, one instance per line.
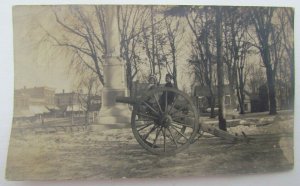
pixel 220 69
pixel 277 56
pixel 262 20
pixel 286 18
pixel 88 88
pixel 83 33
pixel 236 46
pixel 241 77
pixel 201 23
pixel 153 40
pixel 129 20
pixel 256 79
pixel 174 37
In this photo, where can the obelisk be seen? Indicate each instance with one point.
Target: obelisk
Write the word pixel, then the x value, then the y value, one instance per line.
pixel 114 75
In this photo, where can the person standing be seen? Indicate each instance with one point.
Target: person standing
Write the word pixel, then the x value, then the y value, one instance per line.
pixel 168 80
pixel 152 82
pixel 167 97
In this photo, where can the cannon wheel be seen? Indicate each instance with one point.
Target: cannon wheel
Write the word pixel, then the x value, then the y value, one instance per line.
pixel 164 121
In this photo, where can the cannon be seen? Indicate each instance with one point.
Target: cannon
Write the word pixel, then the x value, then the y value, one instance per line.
pixel 165 121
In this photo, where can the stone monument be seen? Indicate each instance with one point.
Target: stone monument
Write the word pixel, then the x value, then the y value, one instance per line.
pixel 114 75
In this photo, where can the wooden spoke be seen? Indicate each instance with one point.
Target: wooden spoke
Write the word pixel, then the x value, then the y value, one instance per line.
pixel 156 136
pixel 174 103
pixel 177 127
pixel 179 132
pixel 147 125
pixel 156 100
pixel 147 116
pixel 183 124
pixel 173 139
pixel 139 119
pixel 150 107
pixel 176 111
pixel 147 135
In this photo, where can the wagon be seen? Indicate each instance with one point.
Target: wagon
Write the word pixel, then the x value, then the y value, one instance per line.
pixel 165 121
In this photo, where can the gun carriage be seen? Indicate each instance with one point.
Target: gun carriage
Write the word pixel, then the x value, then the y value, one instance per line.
pixel 165 121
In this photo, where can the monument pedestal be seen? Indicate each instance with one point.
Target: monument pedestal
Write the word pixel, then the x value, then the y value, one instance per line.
pixel 114 77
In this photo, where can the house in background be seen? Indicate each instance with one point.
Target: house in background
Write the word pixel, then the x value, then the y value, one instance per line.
pixel 76 104
pixel 41 104
pixel 202 97
pixel 36 101
pixel 69 103
pixel 21 105
pixel 258 101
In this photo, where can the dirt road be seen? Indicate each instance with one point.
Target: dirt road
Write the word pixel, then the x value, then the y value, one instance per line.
pixel 114 153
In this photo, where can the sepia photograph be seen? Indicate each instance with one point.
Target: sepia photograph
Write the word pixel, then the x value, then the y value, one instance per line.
pixel 106 92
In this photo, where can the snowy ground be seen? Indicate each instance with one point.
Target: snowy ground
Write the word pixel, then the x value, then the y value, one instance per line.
pixel 100 152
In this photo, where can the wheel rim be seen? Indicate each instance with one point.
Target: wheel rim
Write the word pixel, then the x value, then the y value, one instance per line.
pixel 164 121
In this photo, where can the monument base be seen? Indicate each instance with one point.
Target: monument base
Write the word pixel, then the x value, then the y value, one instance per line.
pixel 117 114
pixel 112 112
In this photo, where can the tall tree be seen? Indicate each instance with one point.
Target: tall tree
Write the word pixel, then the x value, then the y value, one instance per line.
pixel 262 20
pixel 236 46
pixel 88 88
pixel 82 33
pixel 286 17
pixel 220 69
pixel 129 18
pixel 175 35
pixel 151 37
pixel 201 22
pixel 257 77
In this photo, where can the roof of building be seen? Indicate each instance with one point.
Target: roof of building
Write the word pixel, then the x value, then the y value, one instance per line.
pixel 35 88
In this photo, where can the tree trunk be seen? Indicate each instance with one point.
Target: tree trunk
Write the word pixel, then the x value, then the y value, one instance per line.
pixel 212 106
pixel 241 105
pixel 174 69
pixel 240 89
pixel 263 24
pixel 220 72
pixel 271 88
pixel 223 134
pixel 232 94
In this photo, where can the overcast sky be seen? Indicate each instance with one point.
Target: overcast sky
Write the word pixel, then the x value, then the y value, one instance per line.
pixel 37 62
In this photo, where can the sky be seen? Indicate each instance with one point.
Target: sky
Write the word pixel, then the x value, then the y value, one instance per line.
pixel 39 63
pixel 36 61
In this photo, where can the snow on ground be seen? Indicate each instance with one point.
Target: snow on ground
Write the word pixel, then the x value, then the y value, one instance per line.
pixel 264 125
pixel 100 152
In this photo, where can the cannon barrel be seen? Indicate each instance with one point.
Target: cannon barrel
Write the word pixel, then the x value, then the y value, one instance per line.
pixel 127 100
